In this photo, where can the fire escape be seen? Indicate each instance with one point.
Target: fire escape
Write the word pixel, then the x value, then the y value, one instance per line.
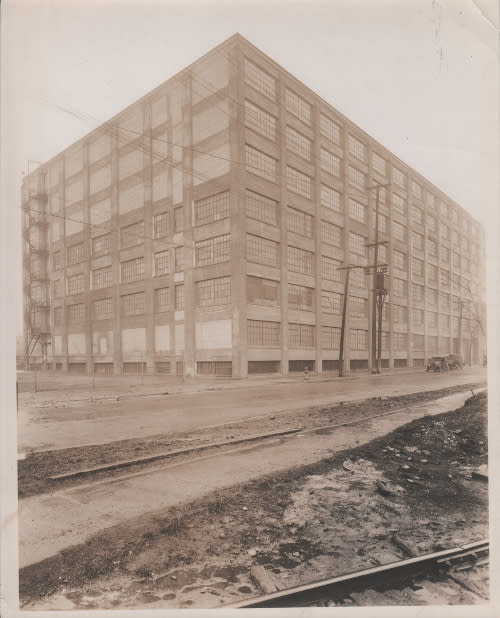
pixel 36 271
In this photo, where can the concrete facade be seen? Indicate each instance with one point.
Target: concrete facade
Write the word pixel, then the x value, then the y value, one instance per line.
pixel 200 232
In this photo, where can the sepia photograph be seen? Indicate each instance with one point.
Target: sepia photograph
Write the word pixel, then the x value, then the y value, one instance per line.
pixel 250 272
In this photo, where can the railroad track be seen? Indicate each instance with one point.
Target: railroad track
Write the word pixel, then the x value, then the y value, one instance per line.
pixel 384 577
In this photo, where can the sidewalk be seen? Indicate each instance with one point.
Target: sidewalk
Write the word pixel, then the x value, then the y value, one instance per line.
pixel 71 391
pixel 50 523
pixel 57 426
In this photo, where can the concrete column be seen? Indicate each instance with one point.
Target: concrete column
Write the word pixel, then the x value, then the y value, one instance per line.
pixel 238 220
pixel 115 252
pixel 282 213
pixel 64 325
pixel 189 287
pixel 317 238
pixel 344 199
pixel 148 243
pixel 87 240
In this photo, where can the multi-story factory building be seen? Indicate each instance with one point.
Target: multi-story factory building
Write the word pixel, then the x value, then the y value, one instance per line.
pixel 201 231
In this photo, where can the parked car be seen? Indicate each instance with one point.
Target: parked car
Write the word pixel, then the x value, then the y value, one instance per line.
pixel 437 363
pixel 454 361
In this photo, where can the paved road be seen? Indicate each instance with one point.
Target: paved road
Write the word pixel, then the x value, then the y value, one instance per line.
pixel 99 423
pixel 50 523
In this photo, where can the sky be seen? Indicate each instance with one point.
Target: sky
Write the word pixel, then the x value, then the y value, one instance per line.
pixel 420 76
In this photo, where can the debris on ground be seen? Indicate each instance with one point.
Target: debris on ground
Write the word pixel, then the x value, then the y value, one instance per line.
pixel 324 519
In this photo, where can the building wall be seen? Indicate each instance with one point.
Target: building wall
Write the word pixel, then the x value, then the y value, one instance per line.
pixel 201 230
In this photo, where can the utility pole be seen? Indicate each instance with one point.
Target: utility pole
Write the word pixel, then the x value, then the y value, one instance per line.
pixel 348 269
pixel 378 293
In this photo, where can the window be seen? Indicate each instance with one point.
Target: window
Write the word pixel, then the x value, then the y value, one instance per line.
pixel 357 211
pixel 400 341
pixel 260 121
pixel 416 189
pixel 432 273
pixel 260 80
pixel 132 235
pixel 179 298
pixel 417 267
pixel 379 164
pixel 443 209
pixel 102 278
pixel 133 304
pixel 358 307
pixel 330 269
pixel 399 259
pixel 417 215
pixel 160 225
pixel 399 314
pixel 431 248
pixel 58 288
pixel 179 259
pixel 298 143
pixel 76 253
pixel 359 339
pixel 331 302
pixel 132 270
pixel 330 337
pixel 357 148
pixel 58 316
pixel 357 243
pixel 432 319
pixel 298 182
pixel 260 163
pixel 57 260
pixel 382 222
pixel 262 251
pixel 264 292
pixel 76 313
pixel 398 287
pixel 300 297
pixel 445 255
pixel 299 222
pixel 300 260
pixel 262 334
pixel 162 300
pixel 161 261
pixel 454 237
pixel 356 177
pixel 213 250
pixel 418 293
pixel 300 336
pixel 432 296
pixel 444 322
pixel 297 106
pixel 261 208
pixel 211 208
pixel 329 129
pixel 418 316
pixel 329 162
pixel 331 234
pixel 398 203
pixel 417 240
pixel 330 198
pixel 445 278
pixel 179 219
pixel 444 231
pixel 456 259
pixel 214 292
pixel 418 343
pixel 398 177
pixel 77 283
pixel 431 223
pixel 432 344
pixel 101 245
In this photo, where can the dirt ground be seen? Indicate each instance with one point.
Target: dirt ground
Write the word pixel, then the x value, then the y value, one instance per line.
pixel 410 492
pixel 35 470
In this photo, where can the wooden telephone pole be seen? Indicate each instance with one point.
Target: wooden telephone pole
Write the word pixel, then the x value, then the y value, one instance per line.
pixel 379 291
